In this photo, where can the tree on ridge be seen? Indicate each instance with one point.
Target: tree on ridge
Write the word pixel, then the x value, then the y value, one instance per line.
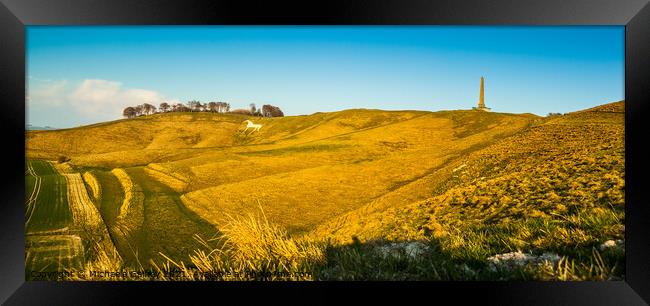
pixel 129 112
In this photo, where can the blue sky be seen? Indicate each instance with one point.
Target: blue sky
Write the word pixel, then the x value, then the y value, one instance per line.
pixel 85 74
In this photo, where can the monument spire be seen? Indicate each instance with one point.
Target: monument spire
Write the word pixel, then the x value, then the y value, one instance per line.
pixel 481 99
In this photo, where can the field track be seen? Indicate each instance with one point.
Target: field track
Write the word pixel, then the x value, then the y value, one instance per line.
pixel 163 207
pixel 31 202
pixel 46 204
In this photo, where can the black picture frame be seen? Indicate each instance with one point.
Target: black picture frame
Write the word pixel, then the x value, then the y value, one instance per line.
pixel 633 14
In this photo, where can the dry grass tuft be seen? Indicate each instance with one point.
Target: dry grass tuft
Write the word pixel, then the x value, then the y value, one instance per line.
pixel 250 248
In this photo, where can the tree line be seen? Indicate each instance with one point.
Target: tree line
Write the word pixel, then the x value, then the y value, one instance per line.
pixel 267 110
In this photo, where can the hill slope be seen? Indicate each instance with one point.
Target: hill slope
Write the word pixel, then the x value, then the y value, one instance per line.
pixel 368 174
pixel 554 187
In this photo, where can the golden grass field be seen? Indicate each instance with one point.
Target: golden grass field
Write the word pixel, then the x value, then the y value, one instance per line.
pixel 335 186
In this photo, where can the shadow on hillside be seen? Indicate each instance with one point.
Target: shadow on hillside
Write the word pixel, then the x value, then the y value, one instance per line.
pixel 408 260
pixel 398 260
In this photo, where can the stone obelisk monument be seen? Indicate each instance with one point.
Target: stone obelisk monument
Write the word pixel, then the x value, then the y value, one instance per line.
pixel 481 99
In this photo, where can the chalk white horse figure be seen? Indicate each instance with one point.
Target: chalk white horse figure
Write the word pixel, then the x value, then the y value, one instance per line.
pixel 250 124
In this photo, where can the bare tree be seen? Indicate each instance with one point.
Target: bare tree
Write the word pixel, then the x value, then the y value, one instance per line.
pixel 148 109
pixel 266 110
pixel 271 111
pixel 194 105
pixel 276 112
pixel 164 107
pixel 253 108
pixel 129 112
pixel 213 106
pixel 225 107
pixel 139 109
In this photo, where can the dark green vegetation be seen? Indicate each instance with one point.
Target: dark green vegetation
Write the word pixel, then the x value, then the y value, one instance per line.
pixel 48 246
pixel 112 196
pixel 45 195
pixel 168 226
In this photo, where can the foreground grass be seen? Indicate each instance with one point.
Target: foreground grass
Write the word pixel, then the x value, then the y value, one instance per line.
pixel 251 248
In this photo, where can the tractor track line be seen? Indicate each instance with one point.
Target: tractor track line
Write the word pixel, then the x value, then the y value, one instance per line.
pixel 31 204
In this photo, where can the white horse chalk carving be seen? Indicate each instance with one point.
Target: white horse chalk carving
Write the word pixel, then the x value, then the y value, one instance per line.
pixel 250 124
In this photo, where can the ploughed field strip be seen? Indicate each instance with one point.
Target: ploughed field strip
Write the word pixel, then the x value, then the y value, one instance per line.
pixel 56 252
pixel 103 213
pixel 50 244
pixel 64 229
pixel 87 218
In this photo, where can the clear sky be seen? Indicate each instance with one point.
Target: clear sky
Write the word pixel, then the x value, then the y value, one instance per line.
pixel 85 74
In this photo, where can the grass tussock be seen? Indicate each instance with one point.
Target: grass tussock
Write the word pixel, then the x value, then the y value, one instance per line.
pixel 250 248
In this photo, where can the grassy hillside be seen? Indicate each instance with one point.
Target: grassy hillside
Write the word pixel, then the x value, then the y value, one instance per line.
pixel 573 160
pixel 557 187
pixel 468 184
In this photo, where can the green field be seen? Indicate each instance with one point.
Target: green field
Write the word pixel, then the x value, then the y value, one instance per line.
pixel 61 233
pixel 339 188
pixel 47 202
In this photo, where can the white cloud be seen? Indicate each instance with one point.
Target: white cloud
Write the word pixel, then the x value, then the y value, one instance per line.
pixel 48 94
pixel 94 99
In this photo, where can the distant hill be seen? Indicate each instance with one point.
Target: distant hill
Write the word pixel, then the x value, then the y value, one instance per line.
pixel 30 127
pixel 615 107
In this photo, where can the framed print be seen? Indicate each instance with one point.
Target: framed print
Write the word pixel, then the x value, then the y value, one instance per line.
pixel 217 147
